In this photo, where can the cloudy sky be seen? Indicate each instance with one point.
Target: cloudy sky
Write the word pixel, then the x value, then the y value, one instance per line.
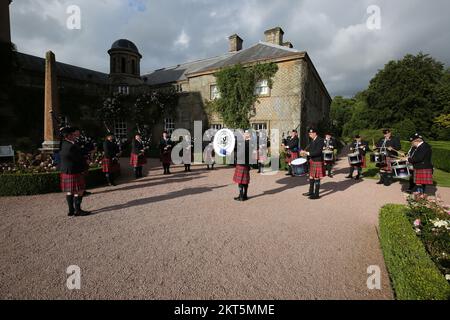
pixel 167 32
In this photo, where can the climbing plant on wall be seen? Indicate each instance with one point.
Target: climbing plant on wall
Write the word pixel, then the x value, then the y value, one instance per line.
pixel 236 85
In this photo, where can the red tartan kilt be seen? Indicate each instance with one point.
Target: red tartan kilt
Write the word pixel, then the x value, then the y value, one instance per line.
pixel 363 164
pixel 292 156
pixel 110 166
pixel 241 175
pixel 137 160
pixel 423 176
pixel 73 183
pixel 388 167
pixel 316 170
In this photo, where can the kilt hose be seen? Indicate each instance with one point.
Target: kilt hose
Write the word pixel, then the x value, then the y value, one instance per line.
pixel 362 165
pixel 137 160
pixel 316 170
pixel 241 174
pixel 423 177
pixel 291 156
pixel 73 183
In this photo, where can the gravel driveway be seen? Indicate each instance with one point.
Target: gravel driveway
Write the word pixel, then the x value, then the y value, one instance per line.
pixel 184 237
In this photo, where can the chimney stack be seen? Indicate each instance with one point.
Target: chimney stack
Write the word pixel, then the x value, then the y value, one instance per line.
pixel 274 36
pixel 288 44
pixel 235 43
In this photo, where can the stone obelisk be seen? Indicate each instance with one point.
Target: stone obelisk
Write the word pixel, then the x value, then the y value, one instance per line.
pixel 51 108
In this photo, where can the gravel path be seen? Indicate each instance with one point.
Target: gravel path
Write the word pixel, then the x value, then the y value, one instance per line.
pixel 184 237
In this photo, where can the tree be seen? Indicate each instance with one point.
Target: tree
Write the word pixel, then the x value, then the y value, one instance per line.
pixel 341 112
pixel 236 85
pixel 151 107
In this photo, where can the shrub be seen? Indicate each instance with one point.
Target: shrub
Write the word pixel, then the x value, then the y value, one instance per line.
pixel 413 273
pixel 41 183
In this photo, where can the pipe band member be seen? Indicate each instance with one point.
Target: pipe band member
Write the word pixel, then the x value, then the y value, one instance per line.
pixel 390 146
pixel 330 145
pixel 110 161
pixel 72 167
pixel 420 158
pixel 242 172
pixel 138 158
pixel 165 148
pixel 292 146
pixel 316 164
pixel 362 147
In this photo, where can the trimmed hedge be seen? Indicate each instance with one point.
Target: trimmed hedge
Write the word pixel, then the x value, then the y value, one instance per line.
pixel 41 183
pixel 413 273
pixel 441 156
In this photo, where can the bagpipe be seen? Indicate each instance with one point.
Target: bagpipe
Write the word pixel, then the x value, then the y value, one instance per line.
pixel 119 142
pixel 145 136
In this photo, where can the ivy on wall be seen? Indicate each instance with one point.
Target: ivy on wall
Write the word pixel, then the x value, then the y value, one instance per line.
pixel 236 85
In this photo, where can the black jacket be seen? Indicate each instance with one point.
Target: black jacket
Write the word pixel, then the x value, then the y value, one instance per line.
pixel 137 147
pixel 362 147
pixel 165 143
pixel 394 142
pixel 420 158
pixel 71 159
pixel 315 149
pixel 293 144
pixel 110 149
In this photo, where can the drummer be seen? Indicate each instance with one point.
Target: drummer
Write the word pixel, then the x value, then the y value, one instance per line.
pixel 330 145
pixel 389 145
pixel 420 158
pixel 362 147
pixel 292 149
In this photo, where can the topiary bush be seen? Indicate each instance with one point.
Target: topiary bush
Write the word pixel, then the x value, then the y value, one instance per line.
pixel 413 273
pixel 41 183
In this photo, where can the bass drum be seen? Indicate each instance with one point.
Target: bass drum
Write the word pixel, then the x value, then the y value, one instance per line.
pixel 300 167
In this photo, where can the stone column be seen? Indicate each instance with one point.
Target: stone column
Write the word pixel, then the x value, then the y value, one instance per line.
pixel 51 107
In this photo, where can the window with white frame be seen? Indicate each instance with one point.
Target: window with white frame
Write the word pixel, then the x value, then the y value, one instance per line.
pixel 259 126
pixel 124 90
pixel 215 94
pixel 120 129
pixel 262 88
pixel 169 125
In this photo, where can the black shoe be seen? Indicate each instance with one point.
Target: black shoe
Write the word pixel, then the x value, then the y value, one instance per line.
pixel 331 175
pixel 307 194
pixel 380 182
pixel 87 194
pixel 349 177
pixel 314 197
pixel 71 214
pixel 239 199
pixel 82 213
pixel 357 178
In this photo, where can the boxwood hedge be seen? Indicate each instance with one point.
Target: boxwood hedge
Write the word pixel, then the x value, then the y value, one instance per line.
pixel 41 183
pixel 413 273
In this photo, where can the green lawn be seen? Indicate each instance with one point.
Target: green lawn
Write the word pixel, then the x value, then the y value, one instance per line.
pixel 441 178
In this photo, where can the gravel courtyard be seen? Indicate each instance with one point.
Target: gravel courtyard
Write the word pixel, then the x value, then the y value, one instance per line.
pixel 184 237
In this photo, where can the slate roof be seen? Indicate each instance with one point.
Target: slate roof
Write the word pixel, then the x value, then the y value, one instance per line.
pixel 125 44
pixel 258 52
pixel 36 64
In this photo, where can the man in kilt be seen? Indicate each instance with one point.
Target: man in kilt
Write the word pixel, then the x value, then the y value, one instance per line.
pixel 165 148
pixel 362 147
pixel 293 150
pixel 330 145
pixel 138 158
pixel 110 162
pixel 72 166
pixel 420 158
pixel 87 148
pixel 390 146
pixel 242 172
pixel 316 164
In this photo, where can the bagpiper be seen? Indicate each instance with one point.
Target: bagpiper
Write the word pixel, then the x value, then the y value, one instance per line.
pixel 110 161
pixel 165 148
pixel 72 166
pixel 316 164
pixel 362 147
pixel 389 146
pixel 242 172
pixel 138 158
pixel 292 146
pixel 86 149
pixel 330 145
pixel 420 158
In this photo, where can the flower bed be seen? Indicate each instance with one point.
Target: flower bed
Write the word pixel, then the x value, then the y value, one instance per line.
pixel 414 274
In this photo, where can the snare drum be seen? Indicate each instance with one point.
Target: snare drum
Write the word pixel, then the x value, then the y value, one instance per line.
pixel 328 156
pixel 300 167
pixel 355 159
pixel 380 158
pixel 401 169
